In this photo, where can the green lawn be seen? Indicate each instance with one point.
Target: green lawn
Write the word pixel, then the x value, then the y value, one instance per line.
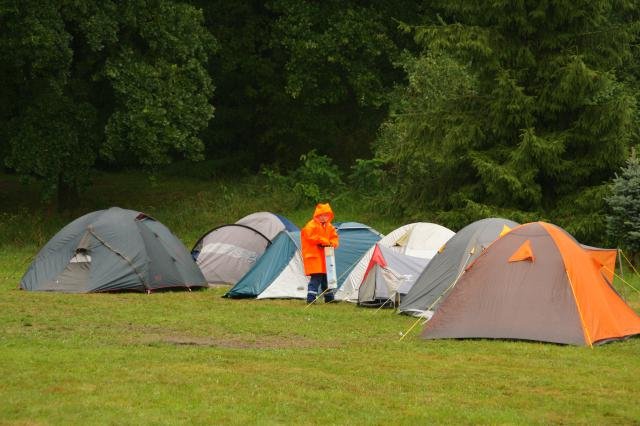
pixel 184 358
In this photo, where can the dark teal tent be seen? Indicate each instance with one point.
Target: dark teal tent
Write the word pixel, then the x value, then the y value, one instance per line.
pixel 112 250
pixel 279 272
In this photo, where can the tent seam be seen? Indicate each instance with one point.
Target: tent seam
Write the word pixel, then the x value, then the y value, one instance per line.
pixel 575 299
pixel 585 331
pixel 91 231
pixel 231 224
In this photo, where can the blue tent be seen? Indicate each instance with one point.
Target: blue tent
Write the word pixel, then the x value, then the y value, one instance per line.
pixel 279 273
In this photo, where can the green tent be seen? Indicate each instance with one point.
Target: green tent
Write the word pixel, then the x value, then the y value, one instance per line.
pixel 112 250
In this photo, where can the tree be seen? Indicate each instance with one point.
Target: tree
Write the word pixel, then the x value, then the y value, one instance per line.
pixel 623 222
pixel 297 75
pixel 338 69
pixel 250 99
pixel 100 79
pixel 516 106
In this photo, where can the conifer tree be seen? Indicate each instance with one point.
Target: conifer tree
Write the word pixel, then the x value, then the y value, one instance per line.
pixel 515 105
pixel 623 222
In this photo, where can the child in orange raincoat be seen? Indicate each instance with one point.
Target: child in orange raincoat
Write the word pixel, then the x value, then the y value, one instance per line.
pixel 315 236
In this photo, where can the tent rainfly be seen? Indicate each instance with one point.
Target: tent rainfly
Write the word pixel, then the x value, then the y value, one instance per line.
pixel 226 253
pixel 112 250
pixel 279 273
pixel 446 267
pixel 536 283
pixel 390 275
pixel 419 240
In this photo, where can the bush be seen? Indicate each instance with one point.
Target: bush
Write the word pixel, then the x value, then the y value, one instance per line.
pixel 316 179
pixel 368 176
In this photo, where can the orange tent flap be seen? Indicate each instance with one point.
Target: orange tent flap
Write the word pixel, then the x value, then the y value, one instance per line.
pixel 505 231
pixel 524 252
pixel 605 259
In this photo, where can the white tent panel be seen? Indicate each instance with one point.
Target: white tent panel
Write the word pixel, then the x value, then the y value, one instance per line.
pixel 291 283
pixel 349 289
pixel 426 239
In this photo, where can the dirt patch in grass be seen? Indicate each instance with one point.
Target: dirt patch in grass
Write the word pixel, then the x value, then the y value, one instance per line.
pixel 266 342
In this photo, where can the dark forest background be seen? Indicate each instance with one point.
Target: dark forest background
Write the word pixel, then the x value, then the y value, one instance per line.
pixel 453 109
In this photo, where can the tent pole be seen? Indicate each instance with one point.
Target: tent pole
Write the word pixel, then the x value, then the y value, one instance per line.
pixel 585 330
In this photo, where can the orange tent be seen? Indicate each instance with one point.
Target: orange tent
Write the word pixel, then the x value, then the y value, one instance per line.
pixel 537 283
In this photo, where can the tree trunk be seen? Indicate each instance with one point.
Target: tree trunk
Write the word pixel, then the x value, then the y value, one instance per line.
pixel 68 196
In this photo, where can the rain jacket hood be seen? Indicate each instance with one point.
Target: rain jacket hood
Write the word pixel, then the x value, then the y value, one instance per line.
pixel 323 208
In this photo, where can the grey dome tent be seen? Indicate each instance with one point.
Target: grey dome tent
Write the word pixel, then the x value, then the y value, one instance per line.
pixel 112 250
pixel 226 253
pixel 447 266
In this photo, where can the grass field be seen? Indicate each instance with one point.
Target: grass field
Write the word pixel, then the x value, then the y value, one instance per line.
pixel 196 358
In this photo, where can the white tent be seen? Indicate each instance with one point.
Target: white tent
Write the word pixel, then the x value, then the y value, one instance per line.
pixel 421 240
pixel 390 275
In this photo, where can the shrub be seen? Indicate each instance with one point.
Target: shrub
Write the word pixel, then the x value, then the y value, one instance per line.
pixel 368 176
pixel 316 179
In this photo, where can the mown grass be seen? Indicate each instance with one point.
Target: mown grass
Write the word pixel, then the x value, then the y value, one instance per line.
pixel 196 358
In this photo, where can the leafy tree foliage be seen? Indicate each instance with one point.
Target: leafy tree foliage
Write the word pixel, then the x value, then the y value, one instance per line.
pixel 339 67
pixel 517 106
pixel 121 80
pixel 335 51
pixel 297 75
pixel 623 222
pixel 249 96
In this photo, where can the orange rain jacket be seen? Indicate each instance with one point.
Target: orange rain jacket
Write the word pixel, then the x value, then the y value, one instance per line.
pixel 314 236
